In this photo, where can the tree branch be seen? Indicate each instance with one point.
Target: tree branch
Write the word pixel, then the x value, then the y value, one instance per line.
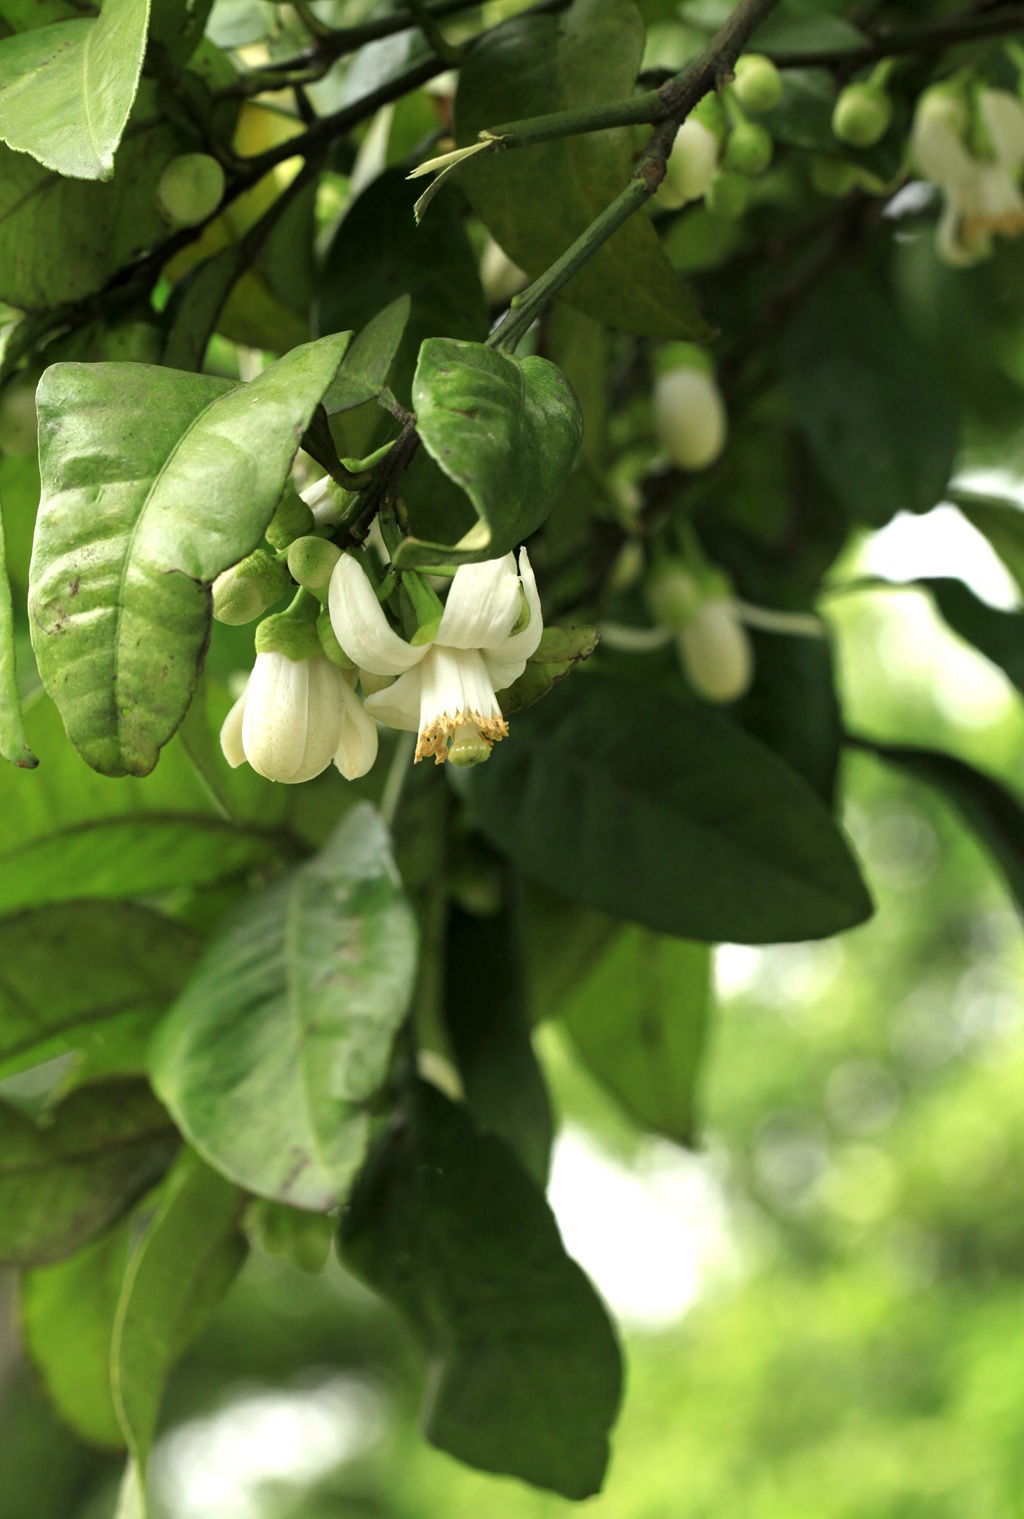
pixel 970 26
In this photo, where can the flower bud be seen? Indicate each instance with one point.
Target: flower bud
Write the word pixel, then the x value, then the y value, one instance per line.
pixel 674 595
pixel 249 588
pixel 690 417
pixel 692 165
pixel 311 561
pixel 748 149
pixel 716 652
pixel 728 196
pixel 190 189
pixel 327 501
pixel 758 83
pixel 329 642
pixel 861 115
pixel 293 519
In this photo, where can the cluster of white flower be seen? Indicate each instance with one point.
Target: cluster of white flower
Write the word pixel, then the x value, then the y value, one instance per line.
pixel 977 161
pixel 300 711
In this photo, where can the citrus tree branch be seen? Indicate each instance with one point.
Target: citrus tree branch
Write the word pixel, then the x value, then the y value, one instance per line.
pixel 970 26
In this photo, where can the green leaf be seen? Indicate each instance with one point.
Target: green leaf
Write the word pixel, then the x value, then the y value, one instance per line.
pixel 379 254
pixel 195 307
pixel 121 966
pixel 122 565
pixel 66 90
pixel 66 1179
pixel 1002 524
pixel 997 634
pixel 792 706
pixel 525 1371
pixel 559 652
pixel 537 200
pixel 365 367
pixel 488 1027
pixel 506 430
pixel 180 1270
pixel 67 1325
pixel 107 225
pixel 987 807
pixel 176 29
pixel 877 415
pixel 640 1023
pixel 662 812
pixel 14 744
pixel 271 1059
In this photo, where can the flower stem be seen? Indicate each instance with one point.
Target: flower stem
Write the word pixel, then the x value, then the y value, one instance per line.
pixel 398 774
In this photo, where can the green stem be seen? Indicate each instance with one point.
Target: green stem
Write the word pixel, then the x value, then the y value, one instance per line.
pixel 398 774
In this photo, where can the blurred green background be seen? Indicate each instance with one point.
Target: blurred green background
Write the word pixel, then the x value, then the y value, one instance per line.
pixel 823 1306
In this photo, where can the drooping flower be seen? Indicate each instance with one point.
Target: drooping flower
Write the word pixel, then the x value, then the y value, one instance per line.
pixel 982 193
pixel 445 688
pixel 295 717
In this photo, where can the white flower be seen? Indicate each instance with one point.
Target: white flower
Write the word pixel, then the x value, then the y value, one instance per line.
pixel 690 417
pixel 445 688
pixel 692 165
pixel 294 717
pixel 983 195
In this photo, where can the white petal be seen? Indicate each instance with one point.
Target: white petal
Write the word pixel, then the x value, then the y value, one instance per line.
pixel 1003 116
pixel 456 685
pixel 936 144
pixel 948 243
pixel 503 672
pixel 482 606
pixel 523 644
pixel 325 717
pixel 399 705
pixel 357 749
pixel 231 733
pixel 360 625
pixel 274 724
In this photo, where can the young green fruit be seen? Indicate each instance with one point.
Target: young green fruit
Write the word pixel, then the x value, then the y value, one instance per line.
pixel 748 149
pixel 758 83
pixel 861 115
pixel 190 189
pixel 728 196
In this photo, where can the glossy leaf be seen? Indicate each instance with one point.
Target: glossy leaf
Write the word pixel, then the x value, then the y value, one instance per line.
pixel 67 1325
pixel 273 1055
pixel 537 200
pixel 997 634
pixel 640 1023
pixel 875 411
pixel 488 1027
pixel 178 1273
pixel 122 565
pixel 792 706
pixel 988 808
pixel 559 652
pixel 506 430
pixel 120 966
pixel 66 90
pixel 365 367
pixel 14 744
pixel 525 1370
pixel 663 813
pixel 66 1179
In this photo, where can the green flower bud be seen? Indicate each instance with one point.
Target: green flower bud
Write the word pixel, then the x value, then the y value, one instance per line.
pixel 728 195
pixel 311 561
pixel 748 149
pixel 190 189
pixel 293 519
pixel 690 417
pixel 289 633
pixel 716 653
pixel 246 591
pixel 862 115
pixel 758 83
pixel 329 642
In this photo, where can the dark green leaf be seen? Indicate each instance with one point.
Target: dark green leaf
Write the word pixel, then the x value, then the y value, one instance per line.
pixel 559 652
pixel 196 305
pixel 180 1270
pixel 506 430
pixel 525 1369
pixel 120 599
pixel 986 806
pixel 65 1180
pixel 379 254
pixel 13 738
pixel 997 634
pixel 121 966
pixel 365 368
pixel 272 1057
pixel 176 29
pixel 792 706
pixel 488 1026
pixel 640 1022
pixel 878 417
pixel 67 1325
pixel 538 200
pixel 664 813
